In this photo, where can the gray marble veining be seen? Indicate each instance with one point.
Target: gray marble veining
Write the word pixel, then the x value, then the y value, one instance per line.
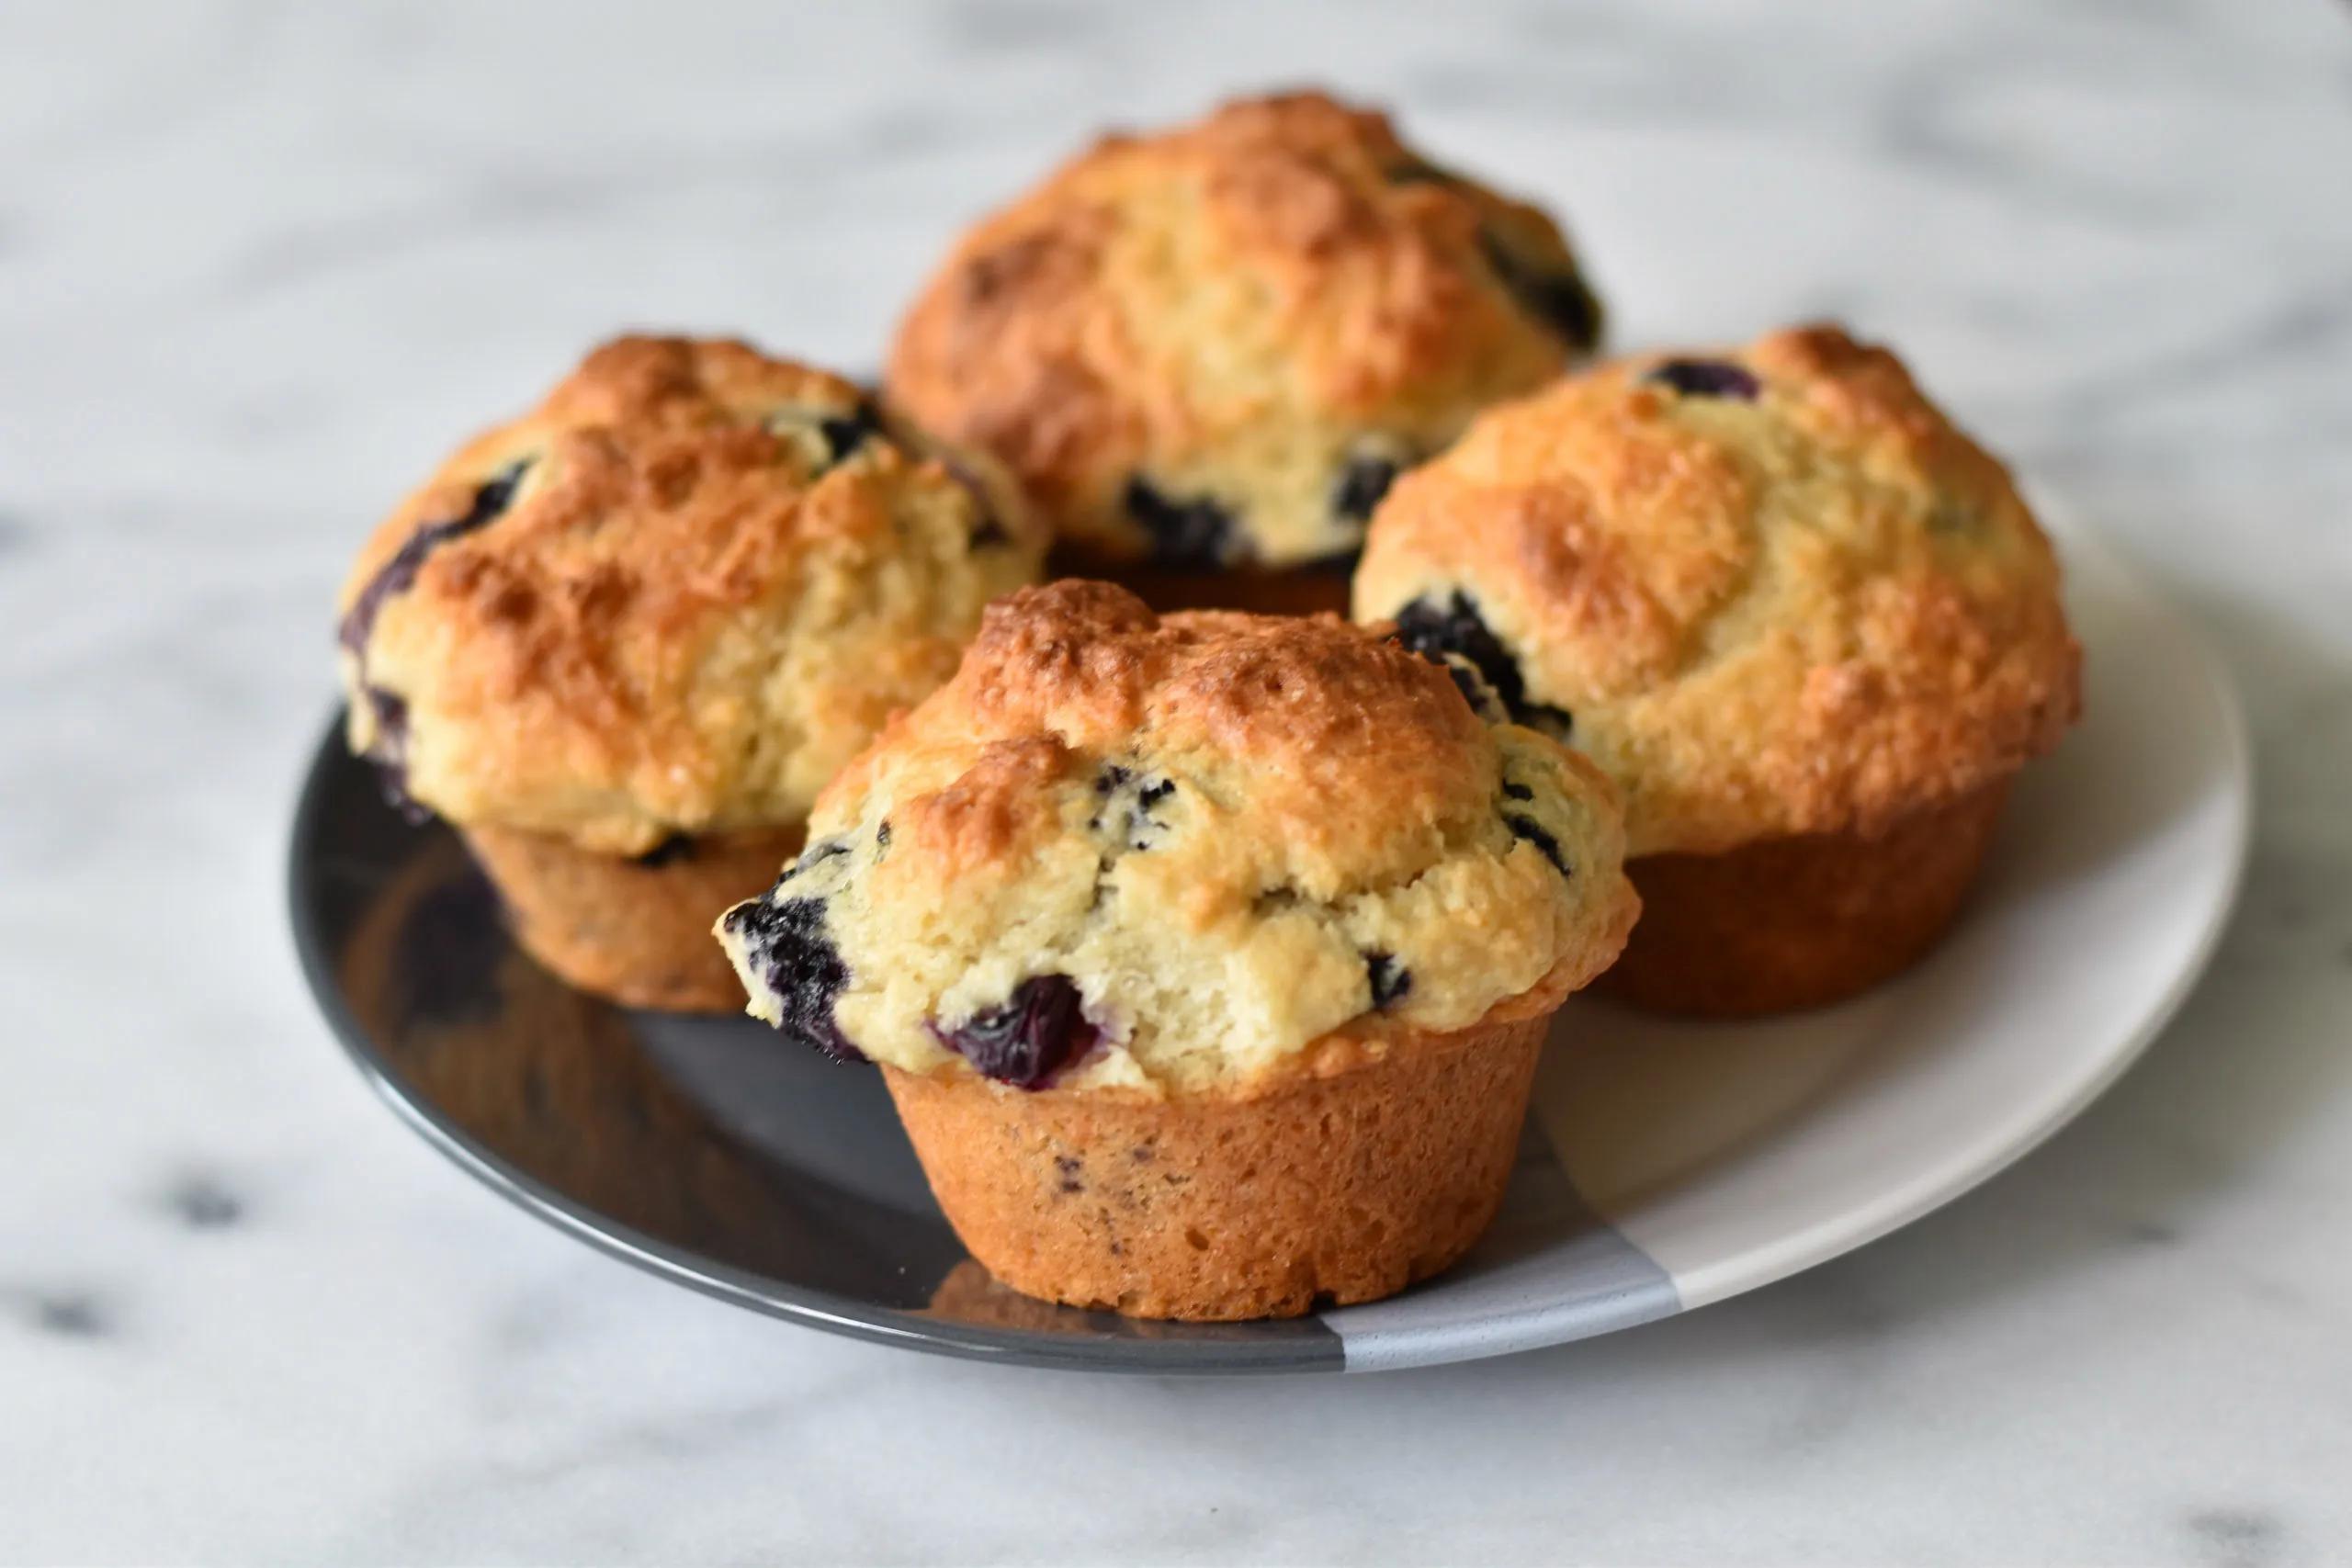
pixel 259 264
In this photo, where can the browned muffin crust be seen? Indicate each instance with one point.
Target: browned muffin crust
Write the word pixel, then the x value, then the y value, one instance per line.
pixel 673 599
pixel 1230 314
pixel 1212 838
pixel 1336 1187
pixel 1805 604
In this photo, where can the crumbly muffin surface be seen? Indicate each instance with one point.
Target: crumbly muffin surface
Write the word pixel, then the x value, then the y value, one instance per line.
pixel 1218 344
pixel 1170 853
pixel 675 599
pixel 1770 591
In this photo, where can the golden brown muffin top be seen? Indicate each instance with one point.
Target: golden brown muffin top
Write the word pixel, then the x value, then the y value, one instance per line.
pixel 1204 842
pixel 1215 345
pixel 673 599
pixel 1770 590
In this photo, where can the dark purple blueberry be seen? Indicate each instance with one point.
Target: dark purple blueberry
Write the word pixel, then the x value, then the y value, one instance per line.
pixel 1040 1029
pixel 397 574
pixel 845 433
pixel 1558 300
pixel 669 851
pixel 1362 482
pixel 987 533
pixel 1707 378
pixel 389 753
pixel 786 942
pixel 1198 532
pixel 1535 833
pixel 1474 689
pixel 1435 630
pixel 1131 803
pixel 1390 980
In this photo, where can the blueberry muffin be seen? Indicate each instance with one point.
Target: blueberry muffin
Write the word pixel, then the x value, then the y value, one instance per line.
pixel 1806 623
pixel 1207 352
pixel 1205 957
pixel 622 642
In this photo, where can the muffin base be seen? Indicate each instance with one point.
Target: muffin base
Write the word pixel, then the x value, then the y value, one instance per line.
pixel 637 934
pixel 1802 922
pixel 1321 1189
pixel 1298 590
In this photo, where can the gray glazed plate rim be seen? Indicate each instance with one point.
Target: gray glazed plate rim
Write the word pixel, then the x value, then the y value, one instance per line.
pixel 1291 1346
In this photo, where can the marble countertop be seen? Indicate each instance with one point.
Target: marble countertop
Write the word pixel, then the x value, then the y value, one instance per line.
pixel 259 263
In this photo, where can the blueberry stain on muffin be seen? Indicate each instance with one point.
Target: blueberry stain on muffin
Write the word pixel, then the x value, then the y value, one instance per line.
pixel 1527 828
pixel 1390 981
pixel 1436 631
pixel 1040 1029
pixel 1560 300
pixel 1363 480
pixel 1130 804
pixel 389 755
pixel 1472 686
pixel 1190 531
pixel 844 435
pixel 676 847
pixel 390 751
pixel 1707 378
pixel 490 500
pixel 786 943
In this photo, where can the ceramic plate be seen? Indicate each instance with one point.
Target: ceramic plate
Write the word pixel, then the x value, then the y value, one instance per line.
pixel 1666 1165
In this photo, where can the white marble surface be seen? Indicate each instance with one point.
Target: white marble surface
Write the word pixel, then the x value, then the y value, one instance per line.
pixel 258 263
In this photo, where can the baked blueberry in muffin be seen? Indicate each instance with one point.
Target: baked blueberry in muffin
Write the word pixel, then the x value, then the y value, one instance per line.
pixel 1205 955
pixel 1208 351
pixel 1806 625
pixel 623 641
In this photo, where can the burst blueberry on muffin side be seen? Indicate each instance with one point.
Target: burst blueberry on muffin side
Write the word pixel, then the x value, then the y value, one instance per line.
pixel 1452 632
pixel 1214 346
pixel 1136 852
pixel 388 713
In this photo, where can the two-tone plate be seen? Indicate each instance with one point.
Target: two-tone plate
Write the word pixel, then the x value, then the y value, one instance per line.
pixel 1668 1165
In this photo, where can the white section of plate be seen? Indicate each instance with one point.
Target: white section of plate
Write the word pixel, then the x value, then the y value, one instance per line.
pixel 1732 1155
pixel 1737 1155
